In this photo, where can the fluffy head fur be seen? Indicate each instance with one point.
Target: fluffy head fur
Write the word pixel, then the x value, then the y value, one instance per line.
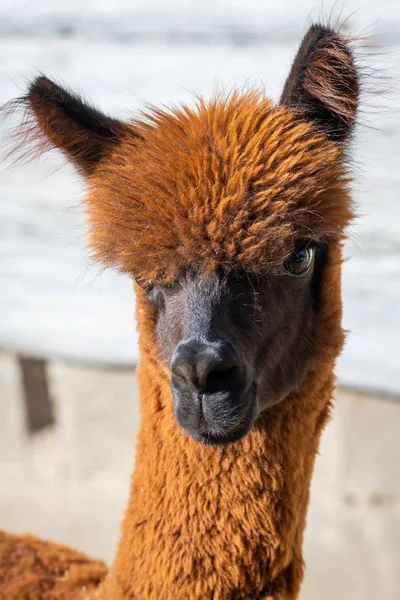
pixel 230 184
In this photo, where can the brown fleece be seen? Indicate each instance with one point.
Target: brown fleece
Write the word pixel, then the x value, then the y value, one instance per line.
pixel 231 184
pixel 31 569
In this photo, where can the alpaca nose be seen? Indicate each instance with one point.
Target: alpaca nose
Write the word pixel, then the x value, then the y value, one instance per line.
pixel 214 396
pixel 203 367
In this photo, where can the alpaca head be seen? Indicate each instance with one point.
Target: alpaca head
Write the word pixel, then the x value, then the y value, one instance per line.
pixel 230 218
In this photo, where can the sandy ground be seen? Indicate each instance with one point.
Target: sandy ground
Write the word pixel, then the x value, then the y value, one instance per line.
pixel 70 483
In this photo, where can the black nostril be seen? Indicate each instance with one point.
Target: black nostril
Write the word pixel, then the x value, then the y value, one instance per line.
pixel 214 372
pixel 206 367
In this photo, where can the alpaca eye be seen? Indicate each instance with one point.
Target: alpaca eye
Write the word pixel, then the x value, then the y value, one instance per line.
pixel 300 261
pixel 151 291
pixel 146 285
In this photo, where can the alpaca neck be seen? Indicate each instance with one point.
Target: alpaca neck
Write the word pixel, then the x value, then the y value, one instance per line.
pixel 212 522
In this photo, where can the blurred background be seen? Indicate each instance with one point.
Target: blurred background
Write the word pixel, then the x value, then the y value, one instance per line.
pixel 68 399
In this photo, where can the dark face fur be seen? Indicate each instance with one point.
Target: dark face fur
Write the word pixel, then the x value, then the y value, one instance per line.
pixel 236 342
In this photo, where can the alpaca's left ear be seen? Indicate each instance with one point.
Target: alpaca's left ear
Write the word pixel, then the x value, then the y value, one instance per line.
pixel 58 118
pixel 323 83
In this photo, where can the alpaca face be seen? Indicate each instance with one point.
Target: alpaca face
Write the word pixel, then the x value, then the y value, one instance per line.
pixel 237 342
pixel 228 214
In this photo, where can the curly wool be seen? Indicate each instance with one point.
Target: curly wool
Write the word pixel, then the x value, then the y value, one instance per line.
pixel 33 569
pixel 232 184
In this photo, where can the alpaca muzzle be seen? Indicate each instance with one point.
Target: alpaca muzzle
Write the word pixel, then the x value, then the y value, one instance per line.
pixel 213 400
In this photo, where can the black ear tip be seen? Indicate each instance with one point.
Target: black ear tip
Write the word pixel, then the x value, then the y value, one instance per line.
pixel 44 89
pixel 318 35
pixel 317 29
pixel 40 84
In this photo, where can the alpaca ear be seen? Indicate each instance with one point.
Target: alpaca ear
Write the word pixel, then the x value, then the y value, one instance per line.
pixel 63 120
pixel 323 83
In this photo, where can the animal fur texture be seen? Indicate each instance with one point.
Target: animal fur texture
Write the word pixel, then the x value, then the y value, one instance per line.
pixel 230 184
pixel 34 569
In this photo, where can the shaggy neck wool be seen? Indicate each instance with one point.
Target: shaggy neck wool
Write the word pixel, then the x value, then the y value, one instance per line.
pixel 223 523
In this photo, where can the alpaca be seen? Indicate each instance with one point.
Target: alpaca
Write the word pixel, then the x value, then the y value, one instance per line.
pixel 230 218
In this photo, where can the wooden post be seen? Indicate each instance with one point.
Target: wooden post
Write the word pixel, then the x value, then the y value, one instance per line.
pixel 38 404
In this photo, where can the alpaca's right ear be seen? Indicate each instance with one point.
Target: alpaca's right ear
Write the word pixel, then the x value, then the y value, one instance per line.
pixel 61 119
pixel 323 84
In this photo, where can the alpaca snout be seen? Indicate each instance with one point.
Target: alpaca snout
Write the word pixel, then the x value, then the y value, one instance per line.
pixel 212 398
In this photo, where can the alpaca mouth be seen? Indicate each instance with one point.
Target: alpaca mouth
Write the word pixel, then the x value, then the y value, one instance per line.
pixel 212 434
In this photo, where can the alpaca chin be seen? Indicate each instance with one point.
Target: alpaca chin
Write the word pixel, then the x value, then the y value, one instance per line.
pixel 233 429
